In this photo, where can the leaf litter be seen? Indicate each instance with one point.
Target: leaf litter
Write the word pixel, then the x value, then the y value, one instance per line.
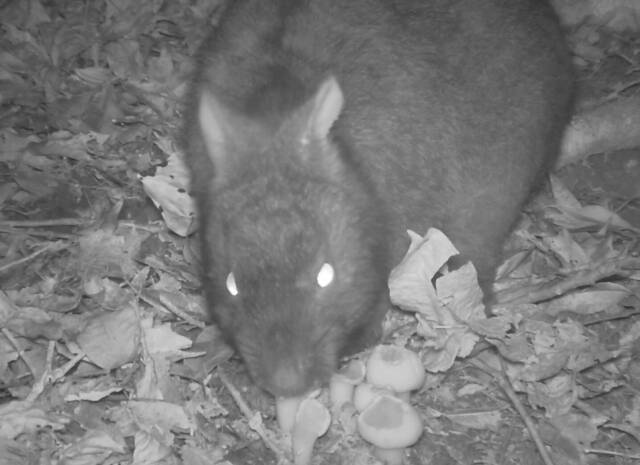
pixel 104 353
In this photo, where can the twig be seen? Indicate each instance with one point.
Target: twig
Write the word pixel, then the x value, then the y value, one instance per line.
pixel 47 234
pixel 152 228
pixel 43 223
pixel 505 385
pixel 580 278
pixel 16 345
pixel 39 385
pixel 615 316
pixel 264 433
pixel 7 311
pixel 611 453
pixel 50 376
pixel 53 247
pixel 169 307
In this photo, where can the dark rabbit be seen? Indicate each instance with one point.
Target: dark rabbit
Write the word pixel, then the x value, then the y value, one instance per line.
pixel 320 130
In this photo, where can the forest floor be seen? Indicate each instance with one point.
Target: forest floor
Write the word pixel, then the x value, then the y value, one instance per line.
pixel 105 357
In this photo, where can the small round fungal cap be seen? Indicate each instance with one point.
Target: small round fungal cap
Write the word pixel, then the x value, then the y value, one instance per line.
pixel 366 393
pixel 390 424
pixel 286 408
pixel 312 421
pixel 395 368
pixel 343 381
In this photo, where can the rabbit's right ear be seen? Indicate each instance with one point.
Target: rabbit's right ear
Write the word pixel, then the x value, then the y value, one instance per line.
pixel 325 110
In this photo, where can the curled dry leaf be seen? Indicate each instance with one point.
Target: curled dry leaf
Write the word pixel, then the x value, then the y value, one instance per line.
pixel 410 282
pixel 443 313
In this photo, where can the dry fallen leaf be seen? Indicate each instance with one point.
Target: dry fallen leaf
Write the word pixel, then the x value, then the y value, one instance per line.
pixel 93 447
pixel 169 190
pixel 443 312
pixel 570 214
pixel 603 297
pixel 111 339
pixel 410 281
pixel 20 417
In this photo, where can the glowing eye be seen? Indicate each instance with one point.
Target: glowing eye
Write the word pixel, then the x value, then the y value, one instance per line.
pixel 325 275
pixel 232 288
